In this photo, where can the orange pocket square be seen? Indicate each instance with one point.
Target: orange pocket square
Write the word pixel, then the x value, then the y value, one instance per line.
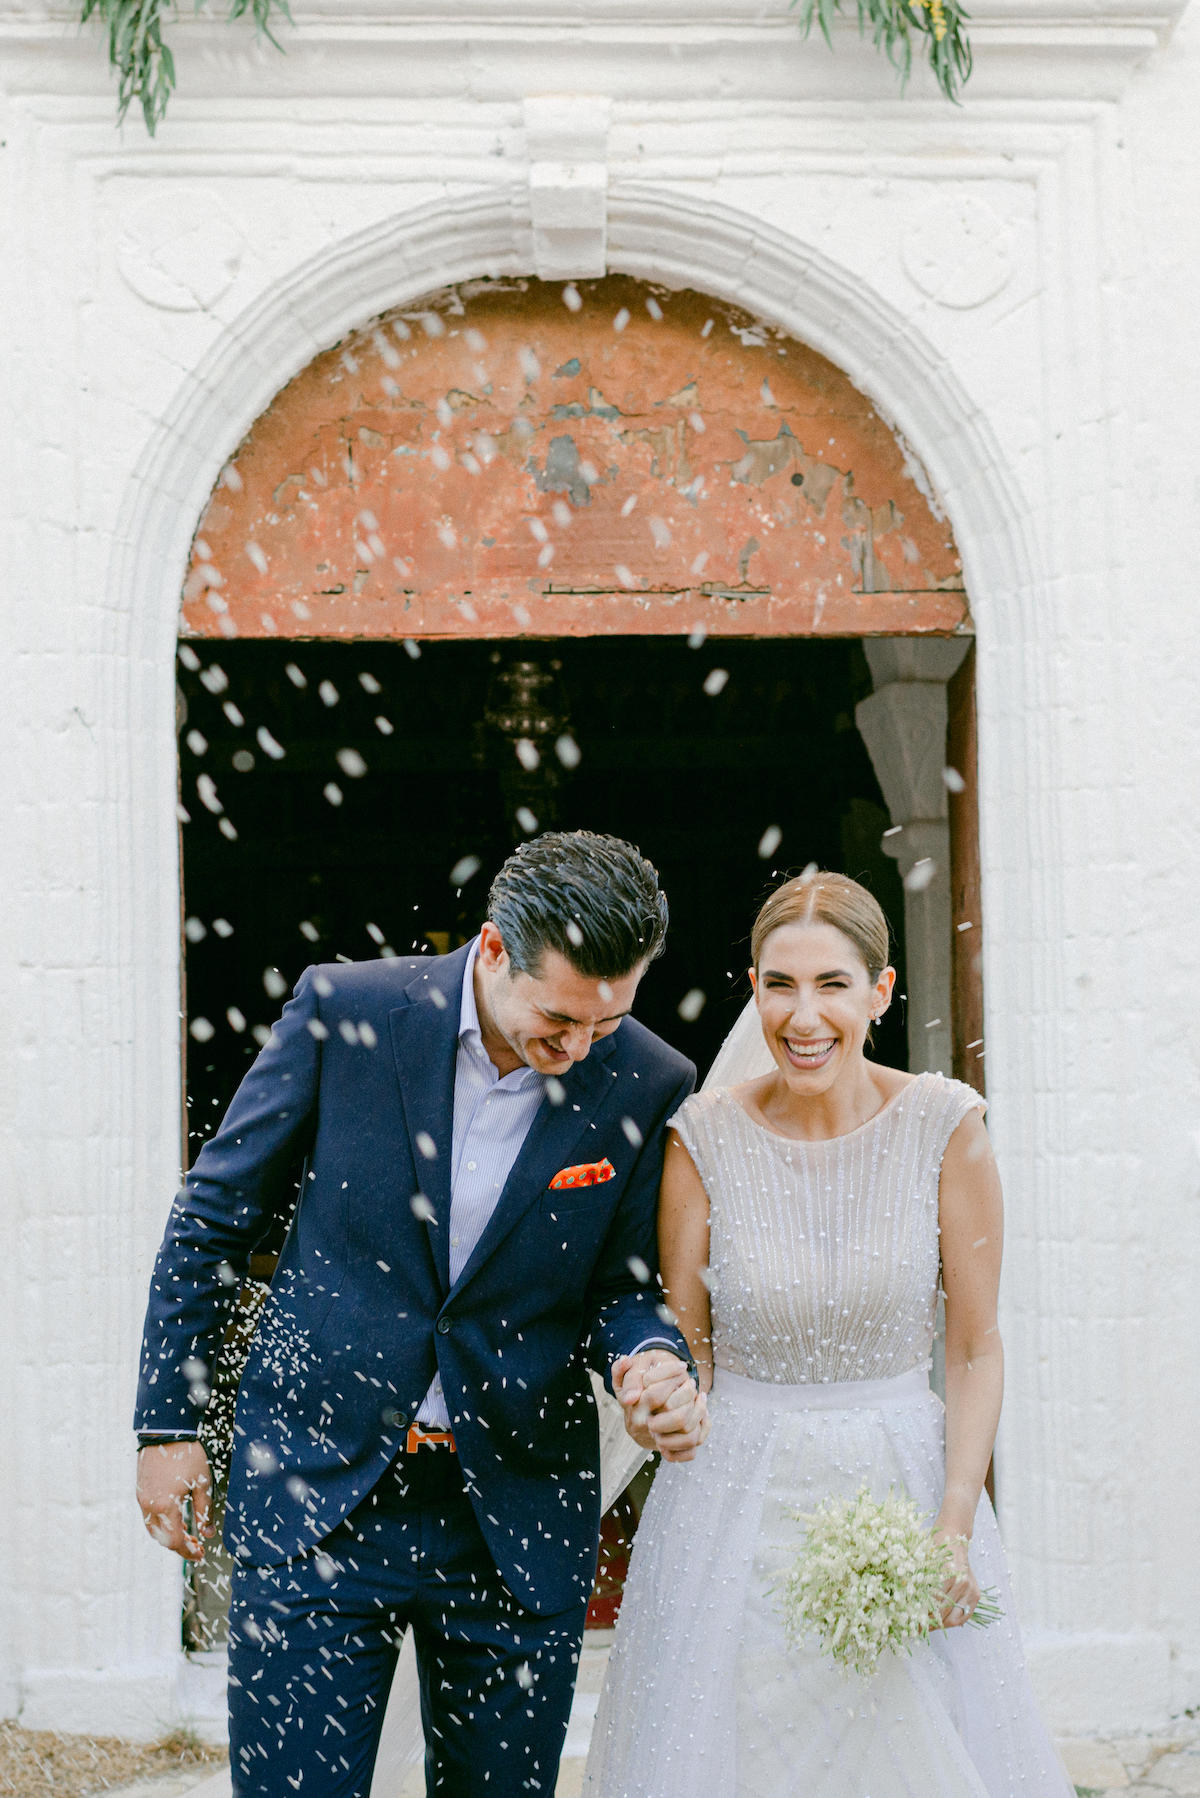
pixel 588 1173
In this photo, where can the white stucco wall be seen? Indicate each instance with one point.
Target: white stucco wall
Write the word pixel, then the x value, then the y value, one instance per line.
pixel 1014 283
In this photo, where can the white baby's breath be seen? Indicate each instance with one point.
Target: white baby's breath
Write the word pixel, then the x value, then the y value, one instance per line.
pixel 868 1579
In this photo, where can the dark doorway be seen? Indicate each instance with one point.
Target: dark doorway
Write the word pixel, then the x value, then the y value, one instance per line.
pixel 353 798
pixel 367 791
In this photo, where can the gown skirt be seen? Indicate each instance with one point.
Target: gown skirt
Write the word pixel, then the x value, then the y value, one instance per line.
pixel 705 1698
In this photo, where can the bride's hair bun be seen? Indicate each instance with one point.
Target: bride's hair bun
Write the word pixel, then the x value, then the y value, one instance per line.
pixel 819 897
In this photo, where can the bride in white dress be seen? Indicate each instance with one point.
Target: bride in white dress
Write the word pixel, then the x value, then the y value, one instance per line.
pixel 804 1217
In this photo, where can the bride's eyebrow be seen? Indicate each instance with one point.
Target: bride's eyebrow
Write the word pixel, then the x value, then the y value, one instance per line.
pixel 833 974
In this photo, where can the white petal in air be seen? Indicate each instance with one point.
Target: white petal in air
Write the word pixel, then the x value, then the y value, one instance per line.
pixel 206 786
pixel 268 744
pixel 464 869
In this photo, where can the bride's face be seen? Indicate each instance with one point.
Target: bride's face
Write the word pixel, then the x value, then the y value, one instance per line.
pixel 816 1001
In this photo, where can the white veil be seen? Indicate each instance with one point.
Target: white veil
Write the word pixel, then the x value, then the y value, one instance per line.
pixel 742 1056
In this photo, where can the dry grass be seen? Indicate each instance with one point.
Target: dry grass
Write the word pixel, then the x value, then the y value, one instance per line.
pixel 38 1763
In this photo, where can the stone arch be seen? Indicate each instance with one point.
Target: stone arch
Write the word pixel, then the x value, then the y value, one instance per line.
pixel 655 234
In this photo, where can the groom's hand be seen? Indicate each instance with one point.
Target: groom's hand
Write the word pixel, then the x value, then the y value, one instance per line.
pixel 168 1475
pixel 664 1411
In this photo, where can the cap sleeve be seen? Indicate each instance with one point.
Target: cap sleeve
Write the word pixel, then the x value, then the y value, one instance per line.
pixel 694 1124
pixel 958 1101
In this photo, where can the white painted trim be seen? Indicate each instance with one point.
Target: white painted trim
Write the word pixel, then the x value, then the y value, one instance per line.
pixel 1036 18
pixel 1071 48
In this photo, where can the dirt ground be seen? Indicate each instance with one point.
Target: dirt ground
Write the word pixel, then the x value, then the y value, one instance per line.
pixel 43 1764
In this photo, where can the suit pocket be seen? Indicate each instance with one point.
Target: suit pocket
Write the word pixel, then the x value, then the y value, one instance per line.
pixel 580 1201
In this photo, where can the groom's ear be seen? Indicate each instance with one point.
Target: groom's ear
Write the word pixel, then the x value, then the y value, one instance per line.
pixel 492 952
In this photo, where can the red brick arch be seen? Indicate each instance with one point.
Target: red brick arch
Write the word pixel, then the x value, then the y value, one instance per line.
pixel 511 458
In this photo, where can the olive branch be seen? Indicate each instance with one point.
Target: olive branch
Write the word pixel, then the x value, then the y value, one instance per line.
pixel 894 25
pixel 141 56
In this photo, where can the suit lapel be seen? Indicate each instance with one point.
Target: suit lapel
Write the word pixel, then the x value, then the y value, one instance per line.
pixel 424 1045
pixel 553 1136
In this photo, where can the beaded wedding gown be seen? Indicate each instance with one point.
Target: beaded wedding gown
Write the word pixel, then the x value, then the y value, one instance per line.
pixel 824 1272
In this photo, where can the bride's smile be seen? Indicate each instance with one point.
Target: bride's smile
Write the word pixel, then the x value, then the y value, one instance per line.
pixel 809 1055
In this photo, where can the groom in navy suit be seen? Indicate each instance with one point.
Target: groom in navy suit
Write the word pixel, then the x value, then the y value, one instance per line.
pixel 478 1139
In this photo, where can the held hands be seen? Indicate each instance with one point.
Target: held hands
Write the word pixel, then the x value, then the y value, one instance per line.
pixel 664 1411
pixel 961 1592
pixel 168 1474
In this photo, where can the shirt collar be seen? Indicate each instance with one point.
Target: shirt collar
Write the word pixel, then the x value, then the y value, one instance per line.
pixel 468 1011
pixel 470 1033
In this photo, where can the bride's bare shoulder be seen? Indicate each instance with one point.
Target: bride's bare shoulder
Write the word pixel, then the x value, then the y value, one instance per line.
pixel 891 1082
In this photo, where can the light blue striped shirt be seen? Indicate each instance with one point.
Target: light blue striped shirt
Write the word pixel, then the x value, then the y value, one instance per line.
pixel 493 1114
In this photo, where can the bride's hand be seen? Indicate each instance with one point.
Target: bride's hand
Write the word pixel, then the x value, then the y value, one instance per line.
pixel 960 1594
pixel 643 1384
pixel 681 1426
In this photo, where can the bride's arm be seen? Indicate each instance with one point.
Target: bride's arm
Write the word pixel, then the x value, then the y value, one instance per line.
pixel 972 1231
pixel 683 1252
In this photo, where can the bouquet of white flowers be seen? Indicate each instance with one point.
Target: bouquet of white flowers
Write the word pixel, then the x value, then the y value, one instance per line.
pixel 869 1577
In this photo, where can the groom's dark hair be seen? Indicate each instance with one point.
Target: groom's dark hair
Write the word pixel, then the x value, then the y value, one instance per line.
pixel 595 899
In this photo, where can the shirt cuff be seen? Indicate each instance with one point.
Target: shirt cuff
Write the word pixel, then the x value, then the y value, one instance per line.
pixel 672 1348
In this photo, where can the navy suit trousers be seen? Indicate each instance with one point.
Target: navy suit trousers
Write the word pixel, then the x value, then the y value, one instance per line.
pixel 314 1643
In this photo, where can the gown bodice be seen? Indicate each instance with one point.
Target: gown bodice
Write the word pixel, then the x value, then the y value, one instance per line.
pixel 824 1255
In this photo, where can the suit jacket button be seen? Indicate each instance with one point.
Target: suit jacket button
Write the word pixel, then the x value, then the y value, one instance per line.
pixel 394 1420
pixel 443 1326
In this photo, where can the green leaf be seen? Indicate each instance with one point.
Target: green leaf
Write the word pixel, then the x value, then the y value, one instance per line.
pixel 140 55
pixel 894 27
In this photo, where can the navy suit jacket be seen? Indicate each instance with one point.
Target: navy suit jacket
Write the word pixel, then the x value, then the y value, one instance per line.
pixel 357 1078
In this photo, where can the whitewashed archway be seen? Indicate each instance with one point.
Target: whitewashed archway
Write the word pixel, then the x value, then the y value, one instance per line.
pixel 655 234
